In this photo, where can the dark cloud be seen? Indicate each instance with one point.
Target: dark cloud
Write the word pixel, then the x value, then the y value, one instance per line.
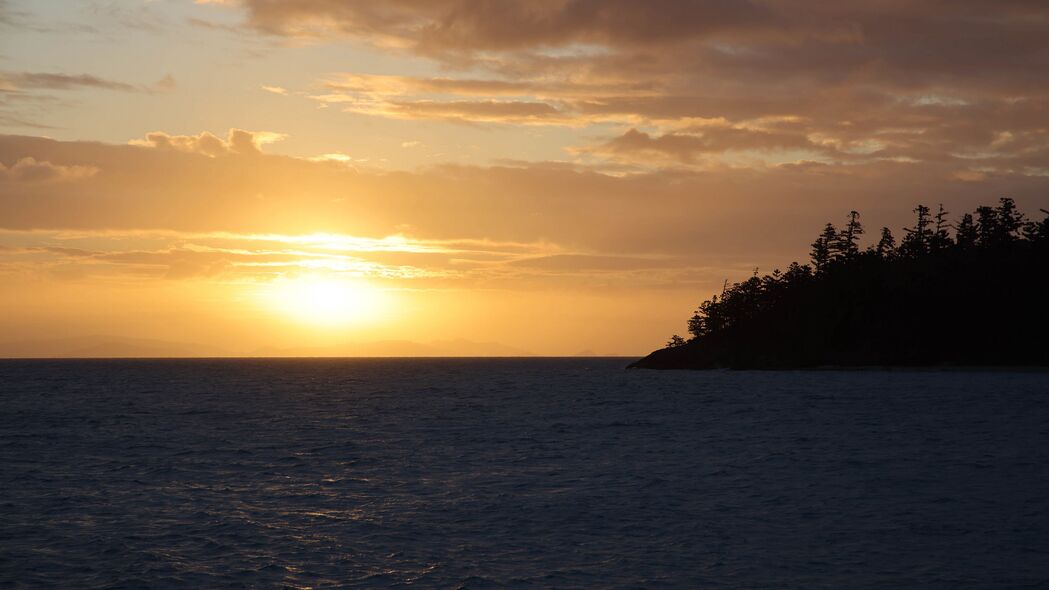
pixel 458 25
pixel 927 79
pixel 689 145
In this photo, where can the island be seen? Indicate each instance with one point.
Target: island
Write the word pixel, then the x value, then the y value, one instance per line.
pixel 973 292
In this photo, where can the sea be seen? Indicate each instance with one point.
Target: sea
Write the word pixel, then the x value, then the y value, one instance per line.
pixel 518 473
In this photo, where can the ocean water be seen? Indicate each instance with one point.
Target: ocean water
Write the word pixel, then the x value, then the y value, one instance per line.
pixel 547 473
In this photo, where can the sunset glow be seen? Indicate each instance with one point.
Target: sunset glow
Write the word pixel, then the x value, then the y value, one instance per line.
pixel 524 293
pixel 326 302
pixel 553 176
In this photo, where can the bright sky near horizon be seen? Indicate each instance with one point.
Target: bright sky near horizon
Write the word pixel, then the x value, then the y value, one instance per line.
pixel 551 175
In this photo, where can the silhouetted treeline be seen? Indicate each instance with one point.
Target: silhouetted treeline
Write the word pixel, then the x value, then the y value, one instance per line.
pixel 971 292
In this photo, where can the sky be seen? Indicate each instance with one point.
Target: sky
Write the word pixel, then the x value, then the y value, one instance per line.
pixel 555 176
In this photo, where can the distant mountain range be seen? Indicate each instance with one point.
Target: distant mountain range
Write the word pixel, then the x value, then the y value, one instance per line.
pixel 121 347
pixel 435 348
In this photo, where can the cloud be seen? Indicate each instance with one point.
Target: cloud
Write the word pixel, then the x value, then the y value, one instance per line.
pixel 255 257
pixel 333 157
pixel 166 84
pixel 690 145
pixel 237 141
pixel 879 38
pixel 590 263
pixel 927 80
pixel 473 100
pixel 494 25
pixel 28 169
pixel 275 90
pixel 384 85
pixel 27 96
pixel 489 110
pixel 57 81
pixel 757 213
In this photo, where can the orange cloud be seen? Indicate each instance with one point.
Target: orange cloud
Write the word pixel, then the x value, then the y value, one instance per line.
pixel 580 210
pixel 237 141
pixel 28 169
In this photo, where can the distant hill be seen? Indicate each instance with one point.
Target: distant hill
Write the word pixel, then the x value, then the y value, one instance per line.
pixel 591 353
pixel 400 348
pixel 975 292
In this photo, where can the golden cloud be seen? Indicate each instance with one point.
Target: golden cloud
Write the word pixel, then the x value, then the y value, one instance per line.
pixel 237 141
pixel 29 169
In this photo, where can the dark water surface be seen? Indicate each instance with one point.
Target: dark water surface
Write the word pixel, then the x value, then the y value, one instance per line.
pixel 519 473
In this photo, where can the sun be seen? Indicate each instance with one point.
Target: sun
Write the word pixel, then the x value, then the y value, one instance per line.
pixel 323 301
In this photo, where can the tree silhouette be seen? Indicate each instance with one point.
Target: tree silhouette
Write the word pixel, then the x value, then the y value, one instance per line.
pixel 1000 225
pixel 847 239
pixel 852 307
pixel 965 233
pixel 917 240
pixel 824 249
pixel 886 247
pixel 941 236
pixel 707 319
pixel 1010 220
pixel 1038 231
pixel 988 229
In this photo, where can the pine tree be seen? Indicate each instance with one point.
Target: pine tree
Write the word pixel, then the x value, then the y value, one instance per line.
pixel 965 234
pixel 886 247
pixel 1010 220
pixel 988 229
pixel 941 237
pixel 917 241
pixel 708 318
pixel 796 274
pixel 1038 231
pixel 847 239
pixel 822 253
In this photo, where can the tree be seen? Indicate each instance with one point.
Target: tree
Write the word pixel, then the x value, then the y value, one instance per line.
pixel 823 249
pixel 886 247
pixel 846 240
pixel 708 318
pixel 675 341
pixel 1010 220
pixel 965 233
pixel 1038 231
pixel 916 242
pixel 796 274
pixel 941 237
pixel 988 229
